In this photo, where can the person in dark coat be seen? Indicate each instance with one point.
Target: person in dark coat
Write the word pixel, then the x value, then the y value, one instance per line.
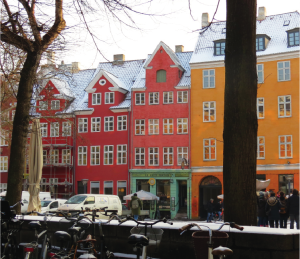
pixel 210 210
pixel 272 208
pixel 218 208
pixel 261 210
pixel 293 208
pixel 135 205
pixel 283 210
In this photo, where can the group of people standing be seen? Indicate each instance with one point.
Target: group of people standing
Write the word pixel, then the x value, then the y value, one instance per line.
pixel 214 208
pixel 274 209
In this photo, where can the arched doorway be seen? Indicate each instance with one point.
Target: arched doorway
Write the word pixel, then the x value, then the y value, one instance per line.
pixel 209 188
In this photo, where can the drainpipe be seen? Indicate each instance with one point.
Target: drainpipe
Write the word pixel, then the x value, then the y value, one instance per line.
pixel 190 177
pixel 74 151
pixel 129 150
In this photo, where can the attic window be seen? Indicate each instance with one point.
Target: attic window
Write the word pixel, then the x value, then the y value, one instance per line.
pixel 161 76
pixel 55 105
pixel 102 82
pixel 224 30
pixel 286 23
pixel 161 51
pixel 219 48
pixel 293 37
pixel 262 42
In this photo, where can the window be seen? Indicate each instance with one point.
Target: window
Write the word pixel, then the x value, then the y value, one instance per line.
pixel 3 138
pixel 182 126
pixel 109 98
pixel 29 130
pixel 260 105
pixel 82 155
pixel 95 155
pixel 44 129
pixel 168 155
pixel 153 126
pixel 209 146
pixel 168 126
pixel 95 187
pixel 45 160
pixel 209 111
pixel 54 129
pixel 55 105
pixel 283 70
pixel 108 123
pixel 260 43
pixel 140 156
pixel 3 163
pixel 163 191
pixel 43 105
pixel 209 78
pixel 182 97
pixel 168 97
pixel 154 98
pixel 260 147
pixel 66 128
pixel 13 112
pixel 95 127
pixel 96 99
pixel 66 156
pixel 219 48
pixel 153 156
pixel 108 155
pixel 83 125
pixel 285 146
pixel 54 156
pixel 161 76
pixel 140 99
pixel 139 127
pixel 286 183
pixel 122 122
pixel 284 106
pixel 122 190
pixel 108 187
pixel 182 152
pixel 122 154
pixel 260 73
pixel 293 38
pixel 3 187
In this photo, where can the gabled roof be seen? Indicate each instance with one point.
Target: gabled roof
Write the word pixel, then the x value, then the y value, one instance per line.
pixel 169 51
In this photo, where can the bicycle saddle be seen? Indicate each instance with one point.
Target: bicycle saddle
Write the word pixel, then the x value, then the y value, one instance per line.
pixel 221 250
pixel 34 225
pixel 138 239
pixel 62 236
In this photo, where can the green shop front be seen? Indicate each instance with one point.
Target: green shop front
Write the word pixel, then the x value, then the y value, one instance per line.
pixel 173 187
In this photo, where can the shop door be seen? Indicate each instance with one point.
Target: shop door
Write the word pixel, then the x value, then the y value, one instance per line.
pixel 182 194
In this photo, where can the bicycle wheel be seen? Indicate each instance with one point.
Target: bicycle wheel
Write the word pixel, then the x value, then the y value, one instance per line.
pixel 44 249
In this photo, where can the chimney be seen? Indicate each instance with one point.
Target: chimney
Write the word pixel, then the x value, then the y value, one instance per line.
pixel 50 57
pixel 179 48
pixel 75 67
pixel 119 59
pixel 261 13
pixel 205 18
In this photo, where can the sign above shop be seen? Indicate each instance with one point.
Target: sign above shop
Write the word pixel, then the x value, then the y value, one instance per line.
pixel 151 181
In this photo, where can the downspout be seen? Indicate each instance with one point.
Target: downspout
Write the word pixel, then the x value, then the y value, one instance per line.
pixel 190 176
pixel 74 148
pixel 131 129
pixel 129 151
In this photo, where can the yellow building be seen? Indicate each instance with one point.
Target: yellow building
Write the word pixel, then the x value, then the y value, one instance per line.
pixel 277 45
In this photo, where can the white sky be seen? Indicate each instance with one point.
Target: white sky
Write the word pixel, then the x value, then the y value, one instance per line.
pixel 173 29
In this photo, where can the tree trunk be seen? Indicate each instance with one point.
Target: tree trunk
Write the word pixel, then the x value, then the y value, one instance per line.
pixel 240 119
pixel 20 128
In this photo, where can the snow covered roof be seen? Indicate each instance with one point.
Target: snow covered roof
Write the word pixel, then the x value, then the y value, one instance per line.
pixel 274 26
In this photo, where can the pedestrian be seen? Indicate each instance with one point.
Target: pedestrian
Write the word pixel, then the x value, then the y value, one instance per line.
pixel 293 208
pixel 272 210
pixel 261 210
pixel 267 217
pixel 210 210
pixel 283 210
pixel 219 209
pixel 135 206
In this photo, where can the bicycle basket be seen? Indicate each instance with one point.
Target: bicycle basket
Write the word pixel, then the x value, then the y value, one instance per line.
pixel 154 234
pixel 200 239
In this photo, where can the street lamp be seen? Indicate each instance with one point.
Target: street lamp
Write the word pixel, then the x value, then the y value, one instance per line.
pixel 289 178
pixel 84 183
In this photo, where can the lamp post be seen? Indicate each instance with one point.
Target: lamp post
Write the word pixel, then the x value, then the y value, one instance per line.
pixel 84 183
pixel 289 178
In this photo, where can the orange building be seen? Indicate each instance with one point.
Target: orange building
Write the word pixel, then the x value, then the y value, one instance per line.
pixel 277 45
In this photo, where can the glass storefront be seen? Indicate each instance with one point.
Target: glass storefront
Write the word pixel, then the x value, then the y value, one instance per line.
pixel 163 192
pixel 286 183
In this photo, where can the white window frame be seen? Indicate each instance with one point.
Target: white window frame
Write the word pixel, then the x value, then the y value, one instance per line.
pixel 83 125
pixel 168 155
pixel 139 127
pixel 139 156
pixel 284 103
pixel 66 128
pixel 45 158
pixel 82 156
pixel 109 98
pixel 153 98
pixel 122 123
pixel 108 155
pixel 286 66
pixel 66 156
pixel 261 148
pixel 286 143
pixel 168 97
pixel 181 98
pixel 207 108
pixel 152 152
pixel 182 152
pixel 110 182
pixel 95 124
pixel 13 112
pixel 260 102
pixel 121 154
pixel 55 104
pixel 181 124
pixel 43 105
pixel 44 130
pixel 167 122
pixel 54 129
pixel 3 163
pixel 4 138
pixel 94 187
pixel 109 123
pixel 210 146
pixel 3 187
pixel 139 98
pixel 123 185
pixel 54 156
pixel 96 99
pixel 95 155
pixel 209 77
pixel 153 126
pixel 260 73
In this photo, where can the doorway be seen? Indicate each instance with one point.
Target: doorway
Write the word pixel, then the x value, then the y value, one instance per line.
pixel 182 194
pixel 209 188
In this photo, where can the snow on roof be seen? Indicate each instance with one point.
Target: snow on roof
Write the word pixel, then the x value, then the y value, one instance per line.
pixel 273 26
pixel 122 105
pixel 184 58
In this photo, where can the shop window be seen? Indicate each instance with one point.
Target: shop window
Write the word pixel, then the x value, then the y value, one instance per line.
pixel 163 192
pixel 122 186
pixel 108 187
pixel 142 185
pixel 95 187
pixel 286 183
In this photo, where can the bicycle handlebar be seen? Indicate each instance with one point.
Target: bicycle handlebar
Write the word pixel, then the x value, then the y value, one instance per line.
pixel 233 225
pixel 11 207
pixel 145 223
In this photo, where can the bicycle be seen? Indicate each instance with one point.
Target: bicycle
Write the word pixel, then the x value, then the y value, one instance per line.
pixel 141 241
pixel 219 251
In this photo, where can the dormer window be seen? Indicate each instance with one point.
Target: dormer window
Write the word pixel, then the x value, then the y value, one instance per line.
pixel 43 105
pixel 262 42
pixel 293 37
pixel 161 76
pixel 219 48
pixel 55 105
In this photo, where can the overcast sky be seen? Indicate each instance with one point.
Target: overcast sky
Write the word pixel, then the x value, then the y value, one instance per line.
pixel 175 28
